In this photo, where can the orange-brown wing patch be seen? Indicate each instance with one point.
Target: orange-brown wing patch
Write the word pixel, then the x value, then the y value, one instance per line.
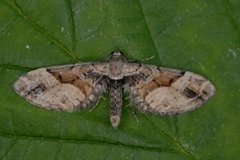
pixel 145 88
pixel 166 78
pixel 163 78
pixel 86 85
pixel 64 76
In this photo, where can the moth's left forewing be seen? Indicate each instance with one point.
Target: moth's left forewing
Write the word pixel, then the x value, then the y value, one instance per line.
pixel 168 91
pixel 66 87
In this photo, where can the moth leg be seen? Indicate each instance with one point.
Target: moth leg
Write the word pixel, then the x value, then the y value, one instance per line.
pixel 134 112
pixel 95 105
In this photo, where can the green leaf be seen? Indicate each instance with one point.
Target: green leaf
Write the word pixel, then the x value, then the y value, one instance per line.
pixel 200 36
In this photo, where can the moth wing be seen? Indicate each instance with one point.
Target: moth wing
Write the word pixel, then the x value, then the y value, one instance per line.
pixel 66 87
pixel 167 91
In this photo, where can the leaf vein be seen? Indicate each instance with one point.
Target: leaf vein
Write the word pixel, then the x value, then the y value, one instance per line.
pixel 72 23
pixel 233 19
pixel 17 8
pixel 12 143
pixel 90 141
pixel 148 29
pixel 177 143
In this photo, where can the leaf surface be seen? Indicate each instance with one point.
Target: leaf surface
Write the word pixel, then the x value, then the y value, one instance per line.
pixel 199 36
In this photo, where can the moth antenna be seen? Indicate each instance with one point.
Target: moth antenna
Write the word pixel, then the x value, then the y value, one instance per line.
pixel 147 59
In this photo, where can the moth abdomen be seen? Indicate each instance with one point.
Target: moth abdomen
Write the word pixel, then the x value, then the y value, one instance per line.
pixel 115 94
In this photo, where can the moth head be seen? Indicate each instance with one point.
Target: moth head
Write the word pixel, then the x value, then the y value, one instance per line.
pixel 116 56
pixel 116 53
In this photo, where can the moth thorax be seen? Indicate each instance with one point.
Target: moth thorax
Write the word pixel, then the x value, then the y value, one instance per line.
pixel 116 69
pixel 116 65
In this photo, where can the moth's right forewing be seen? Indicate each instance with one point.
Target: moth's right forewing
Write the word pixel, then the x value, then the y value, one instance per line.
pixel 168 91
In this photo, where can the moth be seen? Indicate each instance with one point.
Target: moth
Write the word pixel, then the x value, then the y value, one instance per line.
pixel 151 88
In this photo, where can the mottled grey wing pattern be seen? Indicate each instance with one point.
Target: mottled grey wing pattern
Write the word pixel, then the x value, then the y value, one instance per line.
pixel 166 91
pixel 154 89
pixel 66 87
